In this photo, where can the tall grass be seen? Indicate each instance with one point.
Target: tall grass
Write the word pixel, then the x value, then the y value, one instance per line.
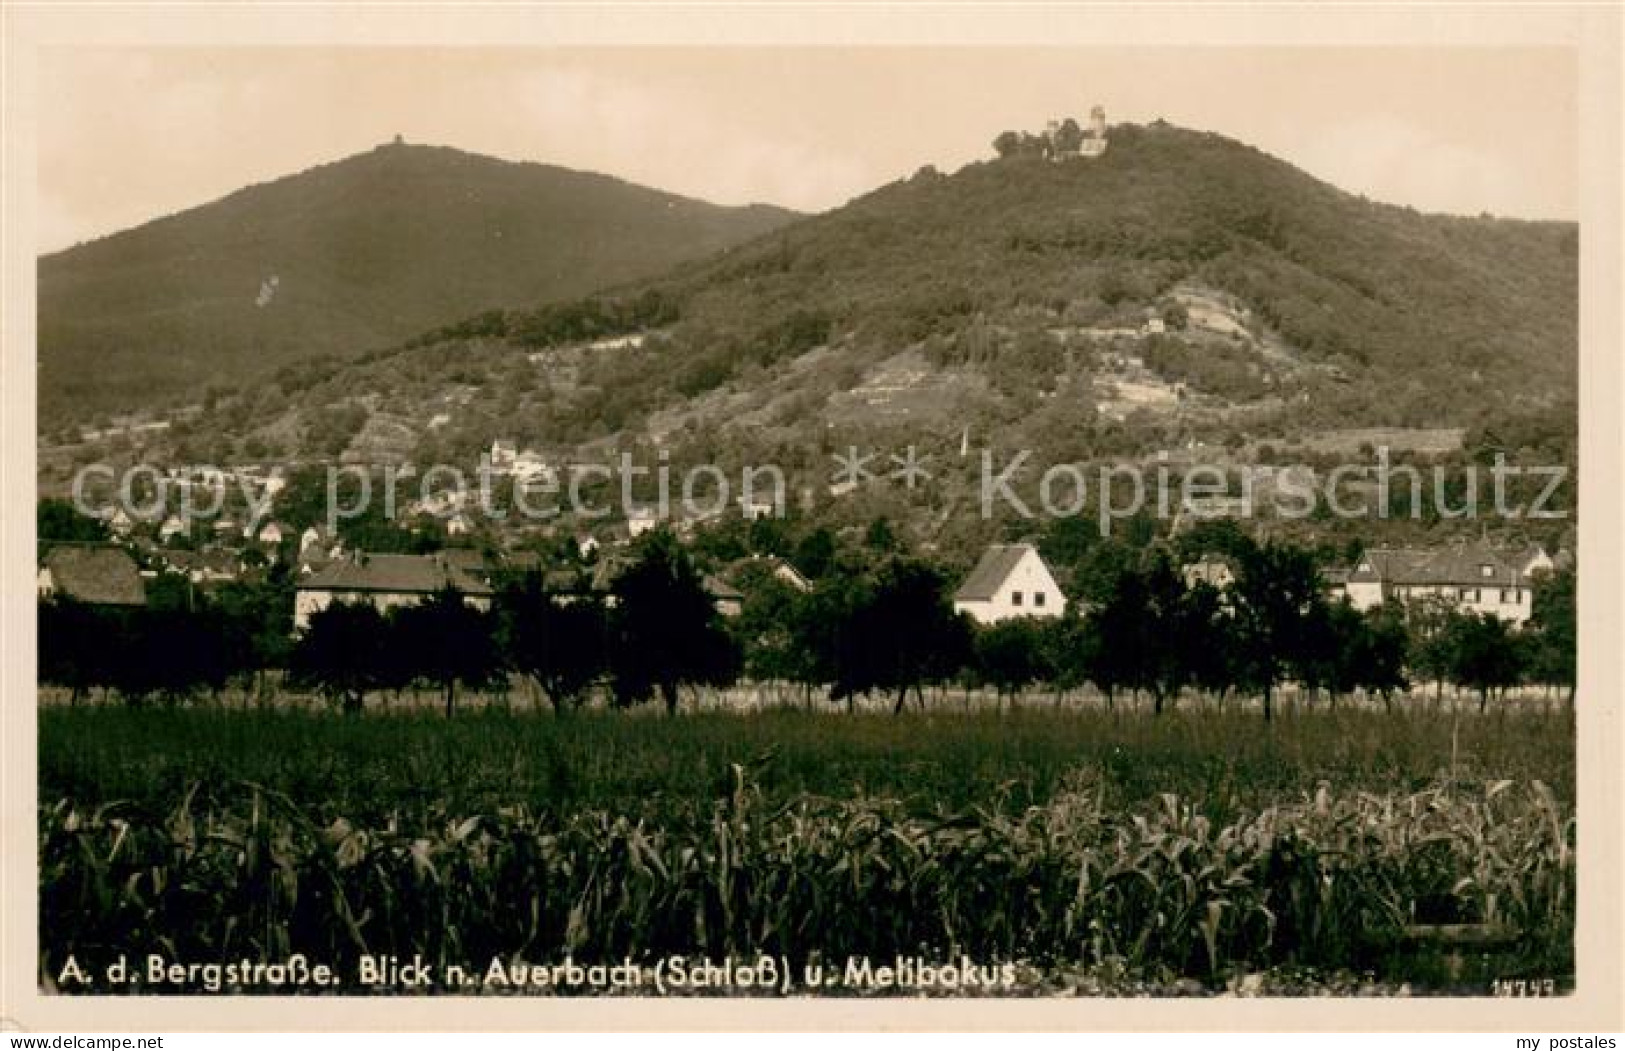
pixel 368 769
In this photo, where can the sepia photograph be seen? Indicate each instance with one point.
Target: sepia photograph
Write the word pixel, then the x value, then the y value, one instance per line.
pixel 806 523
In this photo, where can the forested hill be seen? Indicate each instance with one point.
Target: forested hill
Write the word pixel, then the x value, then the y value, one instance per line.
pixel 347 257
pixel 1182 292
pixel 1019 268
pixel 1433 308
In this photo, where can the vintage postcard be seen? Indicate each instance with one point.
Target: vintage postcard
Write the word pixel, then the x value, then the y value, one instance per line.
pixel 807 517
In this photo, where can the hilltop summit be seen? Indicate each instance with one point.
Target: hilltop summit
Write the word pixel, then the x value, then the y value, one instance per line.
pixel 347 257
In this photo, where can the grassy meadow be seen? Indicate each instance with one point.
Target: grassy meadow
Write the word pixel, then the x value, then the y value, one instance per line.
pixel 1422 850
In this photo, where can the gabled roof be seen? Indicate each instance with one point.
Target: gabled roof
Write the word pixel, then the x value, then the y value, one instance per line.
pixel 566 581
pixel 997 563
pixel 466 559
pixel 1211 568
pixel 1459 564
pixel 102 574
pixel 745 570
pixel 720 590
pixel 785 571
pixel 216 560
pixel 406 574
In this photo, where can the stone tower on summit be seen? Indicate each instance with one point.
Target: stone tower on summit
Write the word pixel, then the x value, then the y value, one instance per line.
pixel 1094 141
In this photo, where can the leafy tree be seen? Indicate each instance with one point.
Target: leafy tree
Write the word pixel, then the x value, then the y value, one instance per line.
pixel 815 553
pixel 558 641
pixel 74 645
pixel 1277 594
pixel 341 653
pixel 171 653
pixel 1010 656
pixel 900 634
pixel 767 536
pixel 1428 651
pixel 171 591
pixel 1346 650
pixel 1068 137
pixel 1068 539
pixel 1169 630
pixel 1068 650
pixel 60 520
pixel 667 630
pixel 1209 627
pixel 1483 654
pixel 1096 576
pixel 1116 637
pixel 881 536
pixel 1219 536
pixel 255 619
pixel 1384 644
pixel 1553 623
pixel 448 642
pixel 768 627
pixel 1007 144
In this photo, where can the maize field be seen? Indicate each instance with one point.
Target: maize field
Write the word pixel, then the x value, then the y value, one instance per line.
pixel 1086 855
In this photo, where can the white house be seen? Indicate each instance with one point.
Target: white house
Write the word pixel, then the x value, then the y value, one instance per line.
pixel 754 509
pixel 504 451
pixel 1471 576
pixel 531 469
pixel 1011 580
pixel 640 521
pixel 172 527
pixel 272 532
pixel 1211 569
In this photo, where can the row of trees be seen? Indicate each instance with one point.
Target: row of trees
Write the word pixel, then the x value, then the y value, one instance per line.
pixel 1152 632
pixel 656 632
pixel 882 628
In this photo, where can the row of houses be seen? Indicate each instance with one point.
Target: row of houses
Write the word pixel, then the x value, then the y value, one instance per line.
pixel 223 529
pixel 1012 580
pixel 388 581
pixel 1008 581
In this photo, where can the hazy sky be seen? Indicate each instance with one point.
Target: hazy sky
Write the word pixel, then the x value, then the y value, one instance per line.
pixel 129 135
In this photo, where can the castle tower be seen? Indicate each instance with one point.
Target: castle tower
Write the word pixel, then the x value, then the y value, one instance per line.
pixel 1097 122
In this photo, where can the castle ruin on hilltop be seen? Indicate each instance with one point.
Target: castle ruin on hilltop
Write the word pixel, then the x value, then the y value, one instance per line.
pixel 1062 140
